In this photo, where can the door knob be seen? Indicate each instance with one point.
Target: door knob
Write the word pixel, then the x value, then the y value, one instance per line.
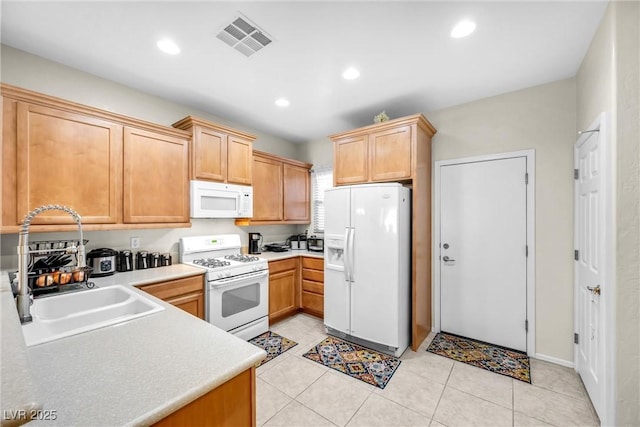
pixel 594 289
pixel 447 259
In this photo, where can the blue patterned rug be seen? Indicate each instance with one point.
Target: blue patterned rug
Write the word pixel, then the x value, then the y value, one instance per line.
pixel 358 362
pixel 501 360
pixel 273 344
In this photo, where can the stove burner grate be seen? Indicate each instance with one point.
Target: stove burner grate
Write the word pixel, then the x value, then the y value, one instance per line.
pixel 211 262
pixel 242 258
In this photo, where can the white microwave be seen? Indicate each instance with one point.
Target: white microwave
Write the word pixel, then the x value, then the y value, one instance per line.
pixel 220 200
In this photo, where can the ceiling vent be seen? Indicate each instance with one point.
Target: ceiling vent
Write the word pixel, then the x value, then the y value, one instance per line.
pixel 244 36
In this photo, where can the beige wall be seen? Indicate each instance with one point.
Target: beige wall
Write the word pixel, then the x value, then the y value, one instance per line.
pixel 32 72
pixel 540 118
pixel 608 81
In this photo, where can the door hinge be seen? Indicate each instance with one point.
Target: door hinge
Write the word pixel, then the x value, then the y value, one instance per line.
pixel 526 326
pixel 575 174
pixel 576 255
pixel 576 338
pixel 526 178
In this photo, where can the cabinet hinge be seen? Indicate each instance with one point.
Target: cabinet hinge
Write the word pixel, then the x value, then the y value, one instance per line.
pixel 575 174
pixel 526 178
pixel 576 255
pixel 526 326
pixel 576 338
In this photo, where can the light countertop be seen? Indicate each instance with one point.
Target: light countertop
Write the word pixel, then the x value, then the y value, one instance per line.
pixel 132 373
pixel 274 256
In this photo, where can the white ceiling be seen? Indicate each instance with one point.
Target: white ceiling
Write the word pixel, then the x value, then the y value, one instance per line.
pixel 407 59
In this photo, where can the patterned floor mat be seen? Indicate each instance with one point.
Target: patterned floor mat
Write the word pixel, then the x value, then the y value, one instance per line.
pixel 500 360
pixel 358 362
pixel 273 344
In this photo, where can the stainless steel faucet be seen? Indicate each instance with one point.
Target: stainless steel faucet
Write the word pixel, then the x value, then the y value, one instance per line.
pixel 24 298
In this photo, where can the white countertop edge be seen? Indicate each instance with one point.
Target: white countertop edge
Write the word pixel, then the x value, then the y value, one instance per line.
pixel 147 276
pixel 275 256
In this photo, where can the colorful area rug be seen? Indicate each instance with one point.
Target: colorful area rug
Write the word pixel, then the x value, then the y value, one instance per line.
pixel 358 362
pixel 493 358
pixel 273 344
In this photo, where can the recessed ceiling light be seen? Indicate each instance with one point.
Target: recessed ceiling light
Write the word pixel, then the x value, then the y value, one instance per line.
pixel 351 73
pixel 282 102
pixel 168 46
pixel 463 29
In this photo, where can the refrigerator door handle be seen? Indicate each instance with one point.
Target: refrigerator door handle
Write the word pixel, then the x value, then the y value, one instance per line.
pixel 346 254
pixel 352 232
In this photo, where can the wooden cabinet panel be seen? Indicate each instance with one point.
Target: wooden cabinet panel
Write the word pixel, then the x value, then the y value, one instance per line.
pixel 312 286
pixel 296 198
pixel 267 189
pixel 210 153
pixel 317 275
pixel 68 159
pixel 230 404
pixel 313 263
pixel 283 288
pixel 156 177
pixel 239 160
pixel 390 154
pixel 350 160
pixel 313 304
pixel 186 293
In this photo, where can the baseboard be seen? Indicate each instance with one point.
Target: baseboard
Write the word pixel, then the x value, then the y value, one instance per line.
pixel 555 360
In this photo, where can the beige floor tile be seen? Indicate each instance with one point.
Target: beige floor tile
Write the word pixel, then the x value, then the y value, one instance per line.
pixel 297 415
pixel 549 406
pixel 378 411
pixel 481 383
pixel 434 423
pixel 522 420
pixel 457 408
pixel 413 391
pixel 293 375
pixel 334 397
pixel 269 401
pixel 273 362
pixel 427 365
pixel 557 378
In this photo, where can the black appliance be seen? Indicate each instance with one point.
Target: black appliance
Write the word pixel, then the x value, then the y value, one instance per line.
pixel 165 259
pixel 142 260
pixel 276 247
pixel 103 261
pixel 298 241
pixel 315 244
pixel 255 240
pixel 125 260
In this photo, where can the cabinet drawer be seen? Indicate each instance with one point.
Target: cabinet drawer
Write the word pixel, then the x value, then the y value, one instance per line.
pixel 313 263
pixel 315 275
pixel 313 302
pixel 315 287
pixel 174 288
pixel 283 265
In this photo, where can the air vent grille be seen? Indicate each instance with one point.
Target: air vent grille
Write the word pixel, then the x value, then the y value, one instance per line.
pixel 244 36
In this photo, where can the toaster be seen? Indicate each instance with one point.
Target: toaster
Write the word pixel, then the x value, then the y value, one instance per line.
pixel 315 244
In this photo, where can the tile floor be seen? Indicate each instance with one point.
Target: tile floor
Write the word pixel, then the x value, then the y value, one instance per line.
pixel 426 390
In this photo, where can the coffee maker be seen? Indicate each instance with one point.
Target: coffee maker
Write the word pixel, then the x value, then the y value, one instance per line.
pixel 255 242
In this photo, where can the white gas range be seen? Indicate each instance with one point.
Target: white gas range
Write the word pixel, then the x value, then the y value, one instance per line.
pixel 237 291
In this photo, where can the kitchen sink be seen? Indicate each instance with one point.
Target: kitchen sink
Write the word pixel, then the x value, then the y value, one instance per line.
pixel 65 315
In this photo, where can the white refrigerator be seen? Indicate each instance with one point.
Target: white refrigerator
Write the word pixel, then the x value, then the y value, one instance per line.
pixel 367 268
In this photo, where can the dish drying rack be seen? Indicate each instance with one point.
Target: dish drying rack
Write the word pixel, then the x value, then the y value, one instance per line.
pixel 53 268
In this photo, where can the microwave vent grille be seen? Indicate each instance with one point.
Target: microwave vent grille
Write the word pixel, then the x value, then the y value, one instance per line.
pixel 244 36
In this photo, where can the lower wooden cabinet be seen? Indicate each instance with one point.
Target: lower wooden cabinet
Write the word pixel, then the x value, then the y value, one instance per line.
pixel 186 294
pixel 231 404
pixel 283 288
pixel 312 290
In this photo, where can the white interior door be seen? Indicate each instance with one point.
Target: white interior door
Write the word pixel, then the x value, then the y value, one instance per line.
pixel 589 278
pixel 483 238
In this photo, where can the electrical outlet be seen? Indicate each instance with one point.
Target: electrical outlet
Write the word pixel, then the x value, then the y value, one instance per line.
pixel 135 242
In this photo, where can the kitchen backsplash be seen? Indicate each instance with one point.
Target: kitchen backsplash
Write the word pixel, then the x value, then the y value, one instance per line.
pixel 155 240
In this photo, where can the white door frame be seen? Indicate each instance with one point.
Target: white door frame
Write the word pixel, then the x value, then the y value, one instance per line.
pixel 607 261
pixel 531 259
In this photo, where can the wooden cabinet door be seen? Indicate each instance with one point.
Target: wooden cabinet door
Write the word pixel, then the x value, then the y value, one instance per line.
pixel 283 288
pixel 209 157
pixel 390 154
pixel 68 159
pixel 267 189
pixel 156 177
pixel 350 160
pixel 192 304
pixel 239 160
pixel 186 293
pixel 296 199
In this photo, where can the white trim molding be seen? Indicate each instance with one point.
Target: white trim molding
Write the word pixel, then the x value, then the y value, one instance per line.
pixel 562 362
pixel 531 259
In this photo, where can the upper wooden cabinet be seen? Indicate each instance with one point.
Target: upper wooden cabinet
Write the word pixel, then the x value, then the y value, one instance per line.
pixel 281 189
pixel 115 171
pixel 218 153
pixel 156 177
pixel 380 152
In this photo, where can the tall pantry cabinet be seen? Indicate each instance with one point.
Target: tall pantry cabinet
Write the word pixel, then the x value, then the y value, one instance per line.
pixel 397 151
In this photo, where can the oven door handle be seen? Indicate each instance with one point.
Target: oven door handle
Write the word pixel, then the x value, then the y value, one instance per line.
pixel 233 281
